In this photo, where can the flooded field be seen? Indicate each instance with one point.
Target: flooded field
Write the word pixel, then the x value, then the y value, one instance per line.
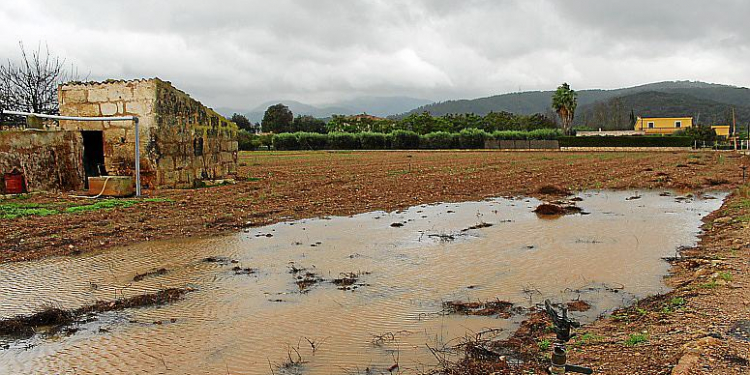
pixel 345 295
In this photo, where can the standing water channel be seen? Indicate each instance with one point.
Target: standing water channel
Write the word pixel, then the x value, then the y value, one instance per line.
pixel 400 269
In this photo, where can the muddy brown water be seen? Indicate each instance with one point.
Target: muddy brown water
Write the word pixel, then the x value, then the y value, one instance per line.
pixel 251 324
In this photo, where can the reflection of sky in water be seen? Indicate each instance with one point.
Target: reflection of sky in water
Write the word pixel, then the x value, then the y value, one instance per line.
pixel 236 322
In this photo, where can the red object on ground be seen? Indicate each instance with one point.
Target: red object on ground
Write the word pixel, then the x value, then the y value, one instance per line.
pixel 14 183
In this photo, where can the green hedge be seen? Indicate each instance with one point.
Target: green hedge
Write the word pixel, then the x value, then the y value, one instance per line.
pixel 397 140
pixel 342 141
pixel 404 140
pixel 626 141
pixel 372 141
pixel 438 141
pixel 312 141
pixel 472 138
pixel 247 141
pixel 544 134
pixel 286 141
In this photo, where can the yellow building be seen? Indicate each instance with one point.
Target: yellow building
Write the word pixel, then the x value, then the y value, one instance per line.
pixel 721 130
pixel 662 125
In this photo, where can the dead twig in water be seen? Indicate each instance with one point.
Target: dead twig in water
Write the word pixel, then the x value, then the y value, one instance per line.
pixel 314 344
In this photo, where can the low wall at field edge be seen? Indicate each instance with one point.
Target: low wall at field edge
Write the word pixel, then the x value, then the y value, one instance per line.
pixel 625 149
pixel 49 160
pixel 521 144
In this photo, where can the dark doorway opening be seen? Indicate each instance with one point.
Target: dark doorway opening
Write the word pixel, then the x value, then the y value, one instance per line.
pixel 93 154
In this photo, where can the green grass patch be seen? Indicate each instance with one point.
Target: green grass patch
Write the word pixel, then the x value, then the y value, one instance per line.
pixel 635 339
pixel 106 204
pixel 14 210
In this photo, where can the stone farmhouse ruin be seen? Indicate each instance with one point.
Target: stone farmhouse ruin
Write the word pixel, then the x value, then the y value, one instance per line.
pixel 182 142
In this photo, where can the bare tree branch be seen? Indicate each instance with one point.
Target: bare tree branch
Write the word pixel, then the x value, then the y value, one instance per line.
pixel 31 84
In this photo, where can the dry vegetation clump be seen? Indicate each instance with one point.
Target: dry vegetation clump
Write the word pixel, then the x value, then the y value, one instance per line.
pixel 502 309
pixel 24 326
pixel 152 273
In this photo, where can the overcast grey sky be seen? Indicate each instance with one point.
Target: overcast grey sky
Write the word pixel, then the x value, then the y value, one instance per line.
pixel 233 53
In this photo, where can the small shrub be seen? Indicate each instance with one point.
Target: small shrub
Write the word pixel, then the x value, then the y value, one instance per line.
pixel 439 140
pixel 311 141
pixel 472 138
pixel 285 142
pixel 372 141
pixel 404 140
pixel 342 141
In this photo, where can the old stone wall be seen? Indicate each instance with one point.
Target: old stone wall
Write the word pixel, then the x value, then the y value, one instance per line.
pixel 181 141
pixel 190 142
pixel 49 160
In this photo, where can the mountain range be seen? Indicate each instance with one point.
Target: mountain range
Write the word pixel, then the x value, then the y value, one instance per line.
pixel 708 103
pixel 374 105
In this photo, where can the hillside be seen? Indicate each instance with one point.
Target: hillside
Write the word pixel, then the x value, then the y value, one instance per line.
pixel 680 97
pixel 615 113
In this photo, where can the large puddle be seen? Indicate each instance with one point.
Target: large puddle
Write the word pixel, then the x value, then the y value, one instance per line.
pixel 256 323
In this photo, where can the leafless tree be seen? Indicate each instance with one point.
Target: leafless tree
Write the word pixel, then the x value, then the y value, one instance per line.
pixel 30 85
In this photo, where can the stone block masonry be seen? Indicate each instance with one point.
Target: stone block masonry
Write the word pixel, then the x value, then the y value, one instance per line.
pixel 49 160
pixel 182 141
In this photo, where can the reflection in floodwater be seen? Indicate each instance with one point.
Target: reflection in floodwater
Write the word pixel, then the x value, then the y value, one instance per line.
pixel 345 294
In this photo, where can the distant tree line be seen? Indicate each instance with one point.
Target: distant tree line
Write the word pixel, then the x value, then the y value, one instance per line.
pixel 279 119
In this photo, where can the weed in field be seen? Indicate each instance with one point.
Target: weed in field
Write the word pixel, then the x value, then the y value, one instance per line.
pixel 588 338
pixel 253 179
pixel 726 276
pixel 709 285
pixel 677 302
pixel 635 339
pixel 544 345
pixel 673 305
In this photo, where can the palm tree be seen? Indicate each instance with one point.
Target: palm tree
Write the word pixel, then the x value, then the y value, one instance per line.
pixel 564 102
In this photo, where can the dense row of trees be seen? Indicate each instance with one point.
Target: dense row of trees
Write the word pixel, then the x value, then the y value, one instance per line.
pixel 279 119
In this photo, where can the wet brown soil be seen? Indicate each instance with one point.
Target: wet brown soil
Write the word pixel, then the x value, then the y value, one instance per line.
pixel 700 327
pixel 280 186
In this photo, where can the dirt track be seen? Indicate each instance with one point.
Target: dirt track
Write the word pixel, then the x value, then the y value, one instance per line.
pixel 291 185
